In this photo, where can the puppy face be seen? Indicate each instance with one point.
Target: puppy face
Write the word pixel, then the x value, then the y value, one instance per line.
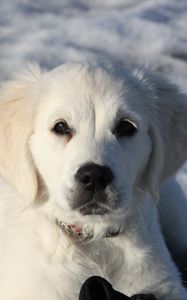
pixel 95 134
pixel 90 141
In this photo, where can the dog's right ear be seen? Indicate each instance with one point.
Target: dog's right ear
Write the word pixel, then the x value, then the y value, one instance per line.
pixel 18 103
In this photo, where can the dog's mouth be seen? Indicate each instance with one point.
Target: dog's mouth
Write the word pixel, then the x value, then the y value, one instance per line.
pixel 95 203
pixel 93 208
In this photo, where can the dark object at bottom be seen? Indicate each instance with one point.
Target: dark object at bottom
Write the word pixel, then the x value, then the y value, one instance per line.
pixel 143 297
pixel 97 288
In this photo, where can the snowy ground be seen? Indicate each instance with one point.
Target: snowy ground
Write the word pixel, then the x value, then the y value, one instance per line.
pixel 53 31
pixel 152 32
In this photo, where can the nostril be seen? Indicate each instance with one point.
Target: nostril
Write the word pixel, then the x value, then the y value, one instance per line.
pixel 101 183
pixel 108 176
pixel 87 180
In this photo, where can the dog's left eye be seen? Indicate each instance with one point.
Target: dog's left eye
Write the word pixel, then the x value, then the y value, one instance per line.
pixel 126 128
pixel 61 128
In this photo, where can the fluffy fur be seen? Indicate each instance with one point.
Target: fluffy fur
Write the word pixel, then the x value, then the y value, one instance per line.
pixel 37 260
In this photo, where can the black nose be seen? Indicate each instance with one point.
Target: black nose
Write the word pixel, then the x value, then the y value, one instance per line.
pixel 94 177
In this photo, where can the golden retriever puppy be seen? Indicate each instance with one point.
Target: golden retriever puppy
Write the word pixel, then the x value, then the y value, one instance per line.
pixel 83 151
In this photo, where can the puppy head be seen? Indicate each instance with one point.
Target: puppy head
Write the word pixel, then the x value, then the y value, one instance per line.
pixel 94 133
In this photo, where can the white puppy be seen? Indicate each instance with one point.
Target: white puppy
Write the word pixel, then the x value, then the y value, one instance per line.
pixel 83 151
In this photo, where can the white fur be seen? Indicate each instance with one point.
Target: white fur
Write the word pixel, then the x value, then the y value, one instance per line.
pixel 37 167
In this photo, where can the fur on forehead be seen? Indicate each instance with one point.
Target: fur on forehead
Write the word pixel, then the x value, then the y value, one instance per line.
pixel 90 81
pixel 93 78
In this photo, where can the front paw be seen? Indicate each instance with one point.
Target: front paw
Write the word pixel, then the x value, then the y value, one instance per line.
pixel 143 297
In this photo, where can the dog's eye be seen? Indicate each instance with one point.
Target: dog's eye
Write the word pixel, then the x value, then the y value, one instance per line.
pixel 126 128
pixel 61 128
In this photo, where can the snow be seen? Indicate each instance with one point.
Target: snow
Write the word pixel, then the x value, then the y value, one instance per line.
pixel 151 32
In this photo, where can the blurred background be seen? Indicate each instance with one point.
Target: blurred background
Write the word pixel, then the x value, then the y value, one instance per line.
pixel 50 32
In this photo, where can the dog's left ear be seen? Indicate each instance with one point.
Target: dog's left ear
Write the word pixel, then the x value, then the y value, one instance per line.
pixel 18 103
pixel 167 110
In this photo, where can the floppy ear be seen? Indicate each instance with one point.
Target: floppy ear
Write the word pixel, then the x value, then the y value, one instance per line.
pixel 18 101
pixel 168 131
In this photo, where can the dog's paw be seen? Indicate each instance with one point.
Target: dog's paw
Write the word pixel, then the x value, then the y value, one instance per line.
pixel 143 297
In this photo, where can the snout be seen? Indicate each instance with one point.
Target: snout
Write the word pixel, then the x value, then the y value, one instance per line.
pixel 93 182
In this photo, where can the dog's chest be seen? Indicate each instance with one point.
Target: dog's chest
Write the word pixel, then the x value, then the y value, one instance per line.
pixel 105 256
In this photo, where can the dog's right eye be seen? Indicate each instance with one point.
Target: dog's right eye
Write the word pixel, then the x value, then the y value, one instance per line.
pixel 125 128
pixel 61 128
